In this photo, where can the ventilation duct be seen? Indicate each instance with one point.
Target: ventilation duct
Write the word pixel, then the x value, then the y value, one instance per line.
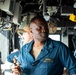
pixel 17 14
pixel 8 6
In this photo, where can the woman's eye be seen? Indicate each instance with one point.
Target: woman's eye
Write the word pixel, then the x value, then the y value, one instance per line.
pixel 21 33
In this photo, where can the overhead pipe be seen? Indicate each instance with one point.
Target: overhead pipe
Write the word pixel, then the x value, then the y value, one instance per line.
pixel 44 7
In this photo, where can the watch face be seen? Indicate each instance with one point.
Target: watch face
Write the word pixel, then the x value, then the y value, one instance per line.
pixel 52 27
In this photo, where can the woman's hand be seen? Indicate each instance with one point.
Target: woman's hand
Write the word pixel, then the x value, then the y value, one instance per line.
pixel 16 70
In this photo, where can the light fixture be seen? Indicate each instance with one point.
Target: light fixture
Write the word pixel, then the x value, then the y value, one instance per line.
pixel 46 17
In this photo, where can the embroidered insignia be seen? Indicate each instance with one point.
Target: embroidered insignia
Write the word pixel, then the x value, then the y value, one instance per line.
pixel 48 60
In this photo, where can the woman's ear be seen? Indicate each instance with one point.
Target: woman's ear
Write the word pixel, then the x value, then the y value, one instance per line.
pixel 31 35
pixel 30 30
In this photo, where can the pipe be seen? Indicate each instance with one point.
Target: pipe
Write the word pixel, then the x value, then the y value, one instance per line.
pixel 44 7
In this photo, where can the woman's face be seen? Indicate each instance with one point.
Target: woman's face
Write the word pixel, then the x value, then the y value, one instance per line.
pixel 26 37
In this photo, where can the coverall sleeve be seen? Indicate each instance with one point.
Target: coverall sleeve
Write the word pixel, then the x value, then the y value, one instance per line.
pixel 67 59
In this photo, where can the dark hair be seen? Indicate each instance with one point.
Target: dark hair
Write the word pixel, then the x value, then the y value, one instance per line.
pixel 38 17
